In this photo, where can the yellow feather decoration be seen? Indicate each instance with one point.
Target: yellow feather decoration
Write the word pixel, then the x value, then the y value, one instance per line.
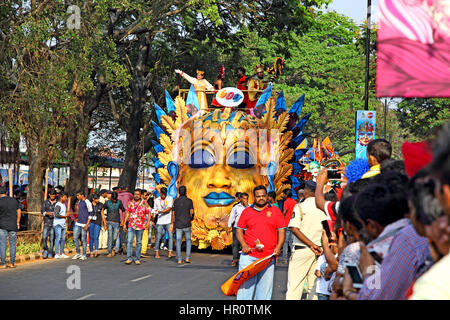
pixel 286 155
pixel 180 111
pixel 167 144
pixel 168 123
pixel 282 173
pixel 164 174
pixel 164 158
pixel 284 141
pixel 282 121
pixel 280 188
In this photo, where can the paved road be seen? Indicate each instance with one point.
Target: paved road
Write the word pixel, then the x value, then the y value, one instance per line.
pixel 110 279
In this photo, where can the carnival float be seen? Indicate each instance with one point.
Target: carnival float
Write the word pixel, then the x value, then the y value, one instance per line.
pixel 229 146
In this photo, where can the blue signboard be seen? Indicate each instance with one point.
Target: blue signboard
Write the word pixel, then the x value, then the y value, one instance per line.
pixel 365 131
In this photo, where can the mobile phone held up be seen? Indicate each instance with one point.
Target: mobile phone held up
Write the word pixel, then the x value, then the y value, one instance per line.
pixel 376 256
pixel 326 227
pixel 333 174
pixel 356 276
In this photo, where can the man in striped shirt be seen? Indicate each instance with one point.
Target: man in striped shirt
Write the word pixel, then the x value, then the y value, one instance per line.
pixel 405 262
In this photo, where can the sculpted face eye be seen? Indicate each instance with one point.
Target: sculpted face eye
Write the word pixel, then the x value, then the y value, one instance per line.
pixel 201 159
pixel 240 160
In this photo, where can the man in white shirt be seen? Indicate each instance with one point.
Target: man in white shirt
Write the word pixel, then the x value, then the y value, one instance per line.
pixel 306 226
pixel 163 207
pixel 232 222
pixel 59 226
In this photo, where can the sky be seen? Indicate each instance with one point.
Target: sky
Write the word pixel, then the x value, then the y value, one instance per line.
pixel 355 9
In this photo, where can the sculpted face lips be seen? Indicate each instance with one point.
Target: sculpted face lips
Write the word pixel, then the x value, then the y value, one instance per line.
pixel 218 199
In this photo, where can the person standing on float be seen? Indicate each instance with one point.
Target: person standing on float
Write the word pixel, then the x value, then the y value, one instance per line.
pixel 201 85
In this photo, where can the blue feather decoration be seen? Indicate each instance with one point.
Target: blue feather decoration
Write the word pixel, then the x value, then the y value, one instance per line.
pixel 157 129
pixel 159 112
pixel 265 95
pixel 298 154
pixel 157 177
pixel 158 164
pixel 169 103
pixel 281 102
pixel 158 148
pixel 298 105
pixel 295 183
pixel 299 138
pixel 297 168
pixel 192 102
pixel 301 124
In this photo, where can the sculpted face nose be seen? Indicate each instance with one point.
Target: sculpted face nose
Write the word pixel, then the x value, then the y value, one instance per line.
pixel 219 178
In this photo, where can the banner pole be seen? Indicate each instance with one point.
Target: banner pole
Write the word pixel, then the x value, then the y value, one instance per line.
pixel 369 14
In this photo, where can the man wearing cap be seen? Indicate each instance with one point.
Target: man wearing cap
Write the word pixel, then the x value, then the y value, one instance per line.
pixel 306 227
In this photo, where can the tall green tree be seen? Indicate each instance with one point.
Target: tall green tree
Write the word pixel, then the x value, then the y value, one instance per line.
pixel 49 72
pixel 153 38
pixel 327 66
pixel 420 117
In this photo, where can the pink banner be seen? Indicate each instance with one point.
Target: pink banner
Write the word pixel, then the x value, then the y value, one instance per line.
pixel 413 49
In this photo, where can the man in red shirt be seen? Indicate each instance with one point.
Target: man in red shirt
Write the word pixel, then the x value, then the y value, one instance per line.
pixel 125 196
pixel 264 227
pixel 288 208
pixel 242 85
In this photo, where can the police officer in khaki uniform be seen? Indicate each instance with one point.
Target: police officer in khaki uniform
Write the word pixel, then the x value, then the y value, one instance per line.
pixel 306 226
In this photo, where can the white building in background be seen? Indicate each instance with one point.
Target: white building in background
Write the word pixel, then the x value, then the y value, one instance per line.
pixel 108 178
pixel 104 177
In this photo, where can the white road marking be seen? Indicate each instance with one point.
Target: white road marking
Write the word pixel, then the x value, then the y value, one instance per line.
pixel 141 278
pixel 86 296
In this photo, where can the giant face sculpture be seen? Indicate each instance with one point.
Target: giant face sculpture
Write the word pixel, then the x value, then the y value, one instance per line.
pixel 221 163
pixel 218 154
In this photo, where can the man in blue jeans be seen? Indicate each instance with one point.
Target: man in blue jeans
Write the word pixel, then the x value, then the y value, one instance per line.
pixel 59 226
pixel 9 225
pixel 48 209
pixel 113 220
pixel 264 236
pixel 182 215
pixel 82 225
pixel 137 217
pixel 163 207
pixel 288 209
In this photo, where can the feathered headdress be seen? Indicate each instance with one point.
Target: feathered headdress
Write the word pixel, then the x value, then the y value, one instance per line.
pixel 259 68
pixel 221 74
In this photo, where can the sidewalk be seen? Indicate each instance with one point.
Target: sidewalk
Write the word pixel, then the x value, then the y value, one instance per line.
pixel 38 256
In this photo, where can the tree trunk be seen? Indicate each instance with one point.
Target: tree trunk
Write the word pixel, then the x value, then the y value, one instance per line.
pixel 79 162
pixel 36 173
pixel 78 178
pixel 132 156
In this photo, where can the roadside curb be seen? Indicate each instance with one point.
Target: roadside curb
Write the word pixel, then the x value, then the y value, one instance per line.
pixel 35 256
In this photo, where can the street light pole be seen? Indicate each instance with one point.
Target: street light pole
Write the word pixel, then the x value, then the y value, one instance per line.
pixel 385 116
pixel 369 14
